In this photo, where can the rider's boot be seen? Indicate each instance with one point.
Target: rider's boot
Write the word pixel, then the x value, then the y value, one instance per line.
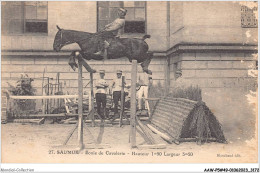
pixel 103 52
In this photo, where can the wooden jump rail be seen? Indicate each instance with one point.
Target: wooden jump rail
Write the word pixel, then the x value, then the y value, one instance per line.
pixel 173 117
pixel 135 124
pixel 45 97
pixel 81 123
pixel 133 104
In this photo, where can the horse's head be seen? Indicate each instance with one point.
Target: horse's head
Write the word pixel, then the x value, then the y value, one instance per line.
pixel 58 42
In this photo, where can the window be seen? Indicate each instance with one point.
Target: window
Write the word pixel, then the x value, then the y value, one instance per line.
pixel 248 17
pixel 135 17
pixel 24 17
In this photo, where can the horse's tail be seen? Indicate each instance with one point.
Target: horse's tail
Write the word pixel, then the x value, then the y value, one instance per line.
pixel 146 36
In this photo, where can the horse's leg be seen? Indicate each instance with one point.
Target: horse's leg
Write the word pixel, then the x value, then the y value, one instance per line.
pixel 84 63
pixel 146 62
pixel 72 61
pixel 87 67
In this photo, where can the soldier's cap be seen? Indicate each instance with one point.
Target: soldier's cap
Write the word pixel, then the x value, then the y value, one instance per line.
pixel 119 72
pixel 178 72
pixel 102 71
pixel 122 9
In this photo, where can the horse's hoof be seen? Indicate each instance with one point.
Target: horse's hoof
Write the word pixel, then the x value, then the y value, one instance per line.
pixel 74 68
pixel 148 72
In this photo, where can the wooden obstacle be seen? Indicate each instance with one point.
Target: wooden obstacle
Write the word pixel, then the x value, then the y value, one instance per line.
pixel 181 120
pixel 43 97
pixel 81 124
pixel 133 104
pixel 122 101
pixel 168 117
pixel 32 121
pixel 135 123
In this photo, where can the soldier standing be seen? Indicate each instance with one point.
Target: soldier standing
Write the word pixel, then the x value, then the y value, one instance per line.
pixel 116 87
pixel 101 86
pixel 142 93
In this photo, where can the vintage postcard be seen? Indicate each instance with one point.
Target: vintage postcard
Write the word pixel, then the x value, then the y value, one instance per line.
pixel 129 82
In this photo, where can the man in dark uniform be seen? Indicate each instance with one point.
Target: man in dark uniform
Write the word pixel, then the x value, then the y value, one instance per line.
pixel 116 87
pixel 101 92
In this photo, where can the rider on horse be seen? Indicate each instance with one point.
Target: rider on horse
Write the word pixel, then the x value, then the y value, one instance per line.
pixel 114 29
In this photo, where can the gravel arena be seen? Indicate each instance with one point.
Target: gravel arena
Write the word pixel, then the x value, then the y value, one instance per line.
pixel 27 143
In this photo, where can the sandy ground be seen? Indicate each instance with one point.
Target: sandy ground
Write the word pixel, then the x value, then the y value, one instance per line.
pixel 36 144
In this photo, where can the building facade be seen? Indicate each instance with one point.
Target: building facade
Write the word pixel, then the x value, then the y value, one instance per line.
pixel 214 44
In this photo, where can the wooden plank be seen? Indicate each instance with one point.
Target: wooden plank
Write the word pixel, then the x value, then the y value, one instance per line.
pixel 133 103
pixel 80 104
pixel 145 132
pixel 161 125
pixel 35 121
pixel 53 115
pixel 70 134
pixel 100 121
pixel 147 140
pixel 168 115
pixel 91 100
pixel 152 99
pixel 162 135
pixel 176 104
pixel 168 106
pixel 45 97
pixel 122 100
pixel 171 114
pixel 182 99
pixel 162 120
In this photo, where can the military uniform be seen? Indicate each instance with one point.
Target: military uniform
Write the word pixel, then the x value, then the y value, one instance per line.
pixel 116 86
pixel 101 91
pixel 143 83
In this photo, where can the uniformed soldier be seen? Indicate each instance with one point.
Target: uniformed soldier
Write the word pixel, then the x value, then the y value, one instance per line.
pixel 116 87
pixel 114 29
pixel 101 86
pixel 142 93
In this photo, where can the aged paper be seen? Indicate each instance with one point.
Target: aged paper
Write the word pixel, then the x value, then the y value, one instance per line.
pixel 199 104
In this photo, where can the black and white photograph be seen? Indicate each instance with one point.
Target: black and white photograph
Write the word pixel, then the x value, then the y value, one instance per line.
pixel 129 82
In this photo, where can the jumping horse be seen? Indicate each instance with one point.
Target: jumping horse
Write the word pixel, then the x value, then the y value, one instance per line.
pixel 132 48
